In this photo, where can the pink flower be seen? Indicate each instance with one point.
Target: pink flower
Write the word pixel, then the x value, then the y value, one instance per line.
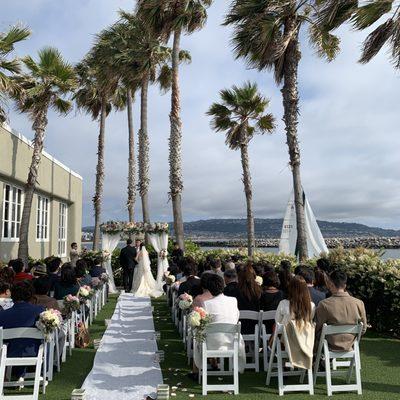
pixel 202 312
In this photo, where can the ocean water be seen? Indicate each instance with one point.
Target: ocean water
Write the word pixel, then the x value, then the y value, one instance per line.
pixel 389 253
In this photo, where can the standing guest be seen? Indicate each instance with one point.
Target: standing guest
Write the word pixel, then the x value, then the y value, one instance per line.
pixel 308 275
pixel 7 275
pixel 339 309
pixel 41 297
pixel 285 275
pixel 22 315
pixel 192 285
pixel 68 283
pixel 298 306
pixel 53 268
pixel 231 283
pixel 217 268
pixel 206 295
pixel 6 301
pixel 20 275
pixel 271 295
pixel 84 278
pixel 97 269
pixel 73 254
pixel 127 261
pixel 176 254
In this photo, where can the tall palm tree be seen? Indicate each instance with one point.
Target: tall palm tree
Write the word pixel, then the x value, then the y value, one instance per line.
pixel 9 67
pixel 98 92
pixel 267 35
pixel 46 84
pixel 175 17
pixel 241 115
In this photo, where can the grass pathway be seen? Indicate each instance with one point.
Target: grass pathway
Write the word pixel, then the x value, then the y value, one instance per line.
pixel 380 362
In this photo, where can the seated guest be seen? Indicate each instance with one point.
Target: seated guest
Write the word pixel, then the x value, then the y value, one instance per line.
pixel 22 315
pixel 231 283
pixel 41 297
pixel 68 283
pixel 6 301
pixel 97 269
pixel 323 264
pixel 258 269
pixel 271 295
pixel 229 264
pixel 339 309
pixel 192 285
pixel 248 296
pixel 53 269
pixel 321 282
pixel 82 275
pixel 308 275
pixel 222 309
pixel 206 295
pixel 216 267
pixel 20 275
pixel 7 275
pixel 285 275
pixel 298 306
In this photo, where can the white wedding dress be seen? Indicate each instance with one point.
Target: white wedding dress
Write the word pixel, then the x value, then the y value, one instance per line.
pixel 144 284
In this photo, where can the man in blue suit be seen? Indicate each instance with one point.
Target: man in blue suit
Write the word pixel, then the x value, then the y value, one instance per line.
pixel 21 315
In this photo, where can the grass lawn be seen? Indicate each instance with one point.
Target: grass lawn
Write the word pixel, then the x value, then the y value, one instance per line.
pixel 380 363
pixel 74 371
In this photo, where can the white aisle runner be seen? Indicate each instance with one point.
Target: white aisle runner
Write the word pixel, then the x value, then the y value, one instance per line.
pixel 124 367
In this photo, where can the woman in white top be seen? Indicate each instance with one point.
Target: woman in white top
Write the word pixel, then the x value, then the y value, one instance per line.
pixel 298 306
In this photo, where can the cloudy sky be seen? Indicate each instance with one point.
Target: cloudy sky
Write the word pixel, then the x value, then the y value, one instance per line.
pixel 349 125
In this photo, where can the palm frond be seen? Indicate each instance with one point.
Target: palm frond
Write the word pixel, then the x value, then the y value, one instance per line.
pixel 325 43
pixel 366 15
pixel 61 106
pixel 14 35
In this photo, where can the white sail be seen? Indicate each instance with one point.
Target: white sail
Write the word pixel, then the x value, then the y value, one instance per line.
pixel 315 241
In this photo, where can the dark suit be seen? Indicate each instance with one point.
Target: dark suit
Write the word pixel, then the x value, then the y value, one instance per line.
pixel 192 286
pixel 127 260
pixel 316 295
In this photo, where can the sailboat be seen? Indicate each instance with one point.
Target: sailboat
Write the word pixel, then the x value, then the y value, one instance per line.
pixel 315 241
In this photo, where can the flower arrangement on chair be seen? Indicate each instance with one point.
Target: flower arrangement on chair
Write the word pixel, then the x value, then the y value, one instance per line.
pixel 85 293
pixel 48 322
pixel 185 301
pixel 198 320
pixel 71 304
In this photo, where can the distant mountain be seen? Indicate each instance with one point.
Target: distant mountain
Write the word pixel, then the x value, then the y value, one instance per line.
pixel 271 228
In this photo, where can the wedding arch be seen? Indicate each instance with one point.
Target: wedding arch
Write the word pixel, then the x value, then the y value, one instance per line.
pixel 115 231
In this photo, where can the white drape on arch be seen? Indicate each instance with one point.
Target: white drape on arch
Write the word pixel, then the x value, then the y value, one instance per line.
pixel 109 243
pixel 160 242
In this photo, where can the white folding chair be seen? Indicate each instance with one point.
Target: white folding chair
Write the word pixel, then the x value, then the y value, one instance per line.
pixel 230 354
pixel 40 362
pixel 353 356
pixel 252 341
pixel 69 329
pixel 266 316
pixel 278 352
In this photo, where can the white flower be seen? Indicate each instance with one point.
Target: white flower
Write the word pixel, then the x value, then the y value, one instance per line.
pixel 259 280
pixel 194 319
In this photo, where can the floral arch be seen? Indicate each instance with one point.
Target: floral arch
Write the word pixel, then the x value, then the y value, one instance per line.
pixel 115 231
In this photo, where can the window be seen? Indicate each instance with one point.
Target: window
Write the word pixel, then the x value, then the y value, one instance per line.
pixel 62 230
pixel 12 212
pixel 42 219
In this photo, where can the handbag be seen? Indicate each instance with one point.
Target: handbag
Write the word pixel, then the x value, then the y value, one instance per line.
pixel 82 337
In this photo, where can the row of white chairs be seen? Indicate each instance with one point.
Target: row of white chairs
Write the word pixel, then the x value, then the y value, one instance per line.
pixel 49 353
pixel 275 357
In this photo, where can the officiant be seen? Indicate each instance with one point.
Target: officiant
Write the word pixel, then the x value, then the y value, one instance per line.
pixel 127 261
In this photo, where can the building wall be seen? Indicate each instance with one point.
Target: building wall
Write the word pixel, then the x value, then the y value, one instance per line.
pixel 55 181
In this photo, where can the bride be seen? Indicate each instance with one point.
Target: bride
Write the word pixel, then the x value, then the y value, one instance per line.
pixel 144 284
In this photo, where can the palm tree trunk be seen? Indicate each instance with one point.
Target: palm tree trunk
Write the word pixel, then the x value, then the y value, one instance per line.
pixel 291 111
pixel 144 178
pixel 249 199
pixel 131 160
pixel 175 146
pixel 39 127
pixel 97 199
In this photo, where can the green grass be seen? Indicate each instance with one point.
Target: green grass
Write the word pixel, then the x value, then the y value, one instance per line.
pixel 380 362
pixel 77 367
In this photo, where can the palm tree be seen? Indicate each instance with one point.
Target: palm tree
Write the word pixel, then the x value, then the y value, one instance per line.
pixel 98 92
pixel 175 17
pixel 267 35
pixel 9 67
pixel 46 84
pixel 241 115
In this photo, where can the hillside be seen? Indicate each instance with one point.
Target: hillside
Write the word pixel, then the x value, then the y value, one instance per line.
pixel 271 228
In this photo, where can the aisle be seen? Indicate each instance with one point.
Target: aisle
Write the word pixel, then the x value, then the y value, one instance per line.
pixel 124 367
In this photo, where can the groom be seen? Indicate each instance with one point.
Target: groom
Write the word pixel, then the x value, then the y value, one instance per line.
pixel 127 260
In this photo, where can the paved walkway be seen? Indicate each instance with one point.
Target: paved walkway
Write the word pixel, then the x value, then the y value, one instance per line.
pixel 125 367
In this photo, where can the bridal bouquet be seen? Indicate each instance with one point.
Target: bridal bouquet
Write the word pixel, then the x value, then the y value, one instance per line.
pixel 169 279
pixel 71 304
pixel 259 280
pixel 48 322
pixel 185 301
pixel 198 320
pixel 85 293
